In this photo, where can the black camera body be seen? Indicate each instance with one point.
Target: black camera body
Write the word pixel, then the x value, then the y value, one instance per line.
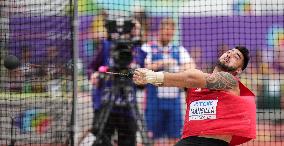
pixel 121 94
pixel 119 34
pixel 121 55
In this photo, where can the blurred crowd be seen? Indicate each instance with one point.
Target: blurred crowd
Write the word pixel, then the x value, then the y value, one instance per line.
pixel 157 51
pixel 39 73
pixel 263 75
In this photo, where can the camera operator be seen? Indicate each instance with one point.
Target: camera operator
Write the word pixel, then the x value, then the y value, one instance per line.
pixel 120 117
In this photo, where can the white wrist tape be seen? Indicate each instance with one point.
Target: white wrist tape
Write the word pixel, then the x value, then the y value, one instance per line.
pixel 156 78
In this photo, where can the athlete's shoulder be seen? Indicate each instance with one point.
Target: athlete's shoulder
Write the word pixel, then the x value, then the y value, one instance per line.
pixel 221 80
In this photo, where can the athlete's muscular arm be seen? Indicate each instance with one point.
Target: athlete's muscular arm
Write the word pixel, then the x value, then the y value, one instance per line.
pixel 197 79
pixel 192 78
pixel 221 80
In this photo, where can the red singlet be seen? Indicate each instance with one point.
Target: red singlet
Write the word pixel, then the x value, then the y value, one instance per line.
pixel 221 113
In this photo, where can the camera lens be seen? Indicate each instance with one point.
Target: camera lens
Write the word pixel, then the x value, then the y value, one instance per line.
pixel 122 55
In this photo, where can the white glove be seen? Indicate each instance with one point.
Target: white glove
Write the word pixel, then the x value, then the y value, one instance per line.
pixel 144 76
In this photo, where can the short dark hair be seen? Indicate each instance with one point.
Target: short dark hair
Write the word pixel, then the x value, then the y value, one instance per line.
pixel 245 53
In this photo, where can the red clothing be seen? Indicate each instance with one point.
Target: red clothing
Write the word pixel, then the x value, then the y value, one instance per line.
pixel 220 112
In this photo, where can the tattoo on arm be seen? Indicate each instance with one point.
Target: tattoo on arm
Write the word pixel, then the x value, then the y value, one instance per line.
pixel 221 80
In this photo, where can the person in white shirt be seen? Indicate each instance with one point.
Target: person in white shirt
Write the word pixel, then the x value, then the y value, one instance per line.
pixel 163 105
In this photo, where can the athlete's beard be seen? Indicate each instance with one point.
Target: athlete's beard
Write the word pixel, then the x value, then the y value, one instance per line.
pixel 224 67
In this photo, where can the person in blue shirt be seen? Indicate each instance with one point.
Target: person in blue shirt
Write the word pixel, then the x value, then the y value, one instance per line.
pixel 121 118
pixel 163 105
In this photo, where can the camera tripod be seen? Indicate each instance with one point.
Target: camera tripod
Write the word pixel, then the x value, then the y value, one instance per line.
pixel 120 89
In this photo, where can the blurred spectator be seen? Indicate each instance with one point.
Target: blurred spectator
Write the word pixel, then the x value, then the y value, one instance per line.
pixel 278 62
pixel 253 74
pixel 266 78
pixel 28 66
pixel 163 106
pixel 254 66
pixel 279 70
pixel 91 39
pixel 270 91
pixel 277 130
pixel 141 16
pixel 259 63
pixel 98 30
pixel 55 69
pixel 53 63
pixel 137 53
pixel 27 72
pixel 106 57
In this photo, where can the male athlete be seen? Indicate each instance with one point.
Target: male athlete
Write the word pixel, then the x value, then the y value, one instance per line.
pixel 221 111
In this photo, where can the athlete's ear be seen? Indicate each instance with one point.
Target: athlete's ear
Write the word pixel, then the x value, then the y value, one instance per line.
pixel 239 71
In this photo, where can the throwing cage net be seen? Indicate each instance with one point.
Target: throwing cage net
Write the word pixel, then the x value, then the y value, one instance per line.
pixel 37 93
pixel 70 83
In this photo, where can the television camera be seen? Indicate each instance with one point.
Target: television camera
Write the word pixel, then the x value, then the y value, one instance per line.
pixel 122 42
pixel 119 91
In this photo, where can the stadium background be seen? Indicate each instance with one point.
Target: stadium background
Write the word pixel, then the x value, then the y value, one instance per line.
pixel 206 27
